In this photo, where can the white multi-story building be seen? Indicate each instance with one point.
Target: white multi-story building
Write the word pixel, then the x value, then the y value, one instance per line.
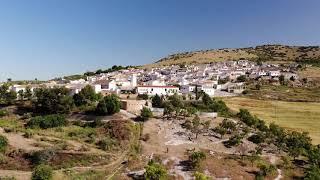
pixel 160 90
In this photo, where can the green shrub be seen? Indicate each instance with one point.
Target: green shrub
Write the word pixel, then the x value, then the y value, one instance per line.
pixel 233 141
pixel 155 171
pixel 42 156
pixel 195 158
pixel 106 144
pixel 49 121
pixel 3 143
pixel 108 105
pixel 257 138
pixel 200 176
pixel 42 172
pixel 3 113
pixel 146 113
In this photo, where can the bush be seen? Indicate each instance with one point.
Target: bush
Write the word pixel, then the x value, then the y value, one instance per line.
pixel 313 173
pixel 106 144
pixel 146 114
pixel 3 143
pixel 42 172
pixel 155 171
pixel 200 176
pixel 195 158
pixel 142 97
pixel 109 105
pixel 3 113
pixel 42 156
pixel 233 141
pixel 257 138
pixel 49 121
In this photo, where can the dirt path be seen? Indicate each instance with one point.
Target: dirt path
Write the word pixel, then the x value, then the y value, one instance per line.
pixel 17 141
pixel 19 175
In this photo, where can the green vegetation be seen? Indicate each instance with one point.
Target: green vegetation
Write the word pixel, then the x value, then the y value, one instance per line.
pixel 49 121
pixel 285 93
pixel 196 158
pixel 42 156
pixel 200 176
pixel 86 96
pixel 155 171
pixel 146 114
pixel 42 172
pixel 3 143
pixel 108 105
pixel 157 101
pixel 299 116
pixel 53 101
pixel 7 97
pixel 3 112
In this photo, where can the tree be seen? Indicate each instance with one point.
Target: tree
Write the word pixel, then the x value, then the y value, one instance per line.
pixel 191 111
pixel 228 125
pixel 267 169
pixel 241 78
pixel 108 105
pixel 42 172
pixel 21 94
pixel 10 97
pixel 157 101
pixel 195 158
pixel 155 171
pixel 168 110
pixel 247 118
pixel 28 93
pixel 86 96
pixel 292 78
pixel 281 79
pixel 176 101
pixel 234 140
pixel 196 129
pixel 146 113
pixel 53 101
pixel 101 108
pixel 314 155
pixel 298 143
pixel 313 173
pixel 257 138
pixel 3 143
pixel 206 99
pixel 220 130
pixel 143 96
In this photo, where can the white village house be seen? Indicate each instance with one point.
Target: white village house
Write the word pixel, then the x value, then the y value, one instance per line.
pixel 160 90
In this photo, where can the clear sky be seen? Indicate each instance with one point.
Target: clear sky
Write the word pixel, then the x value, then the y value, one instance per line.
pixel 49 38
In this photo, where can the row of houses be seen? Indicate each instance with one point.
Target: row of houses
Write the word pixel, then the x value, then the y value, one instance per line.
pixel 174 79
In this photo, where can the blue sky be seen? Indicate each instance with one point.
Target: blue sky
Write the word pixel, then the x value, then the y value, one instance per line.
pixel 45 39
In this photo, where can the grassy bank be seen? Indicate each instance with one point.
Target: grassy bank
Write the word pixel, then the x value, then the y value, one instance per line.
pixel 301 116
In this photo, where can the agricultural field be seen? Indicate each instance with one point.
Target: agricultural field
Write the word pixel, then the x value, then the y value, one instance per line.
pixel 285 93
pixel 301 116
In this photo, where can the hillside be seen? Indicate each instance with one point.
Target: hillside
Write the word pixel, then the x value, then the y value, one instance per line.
pixel 264 53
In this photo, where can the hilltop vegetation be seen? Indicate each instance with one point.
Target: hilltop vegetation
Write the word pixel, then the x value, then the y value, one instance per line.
pixel 302 54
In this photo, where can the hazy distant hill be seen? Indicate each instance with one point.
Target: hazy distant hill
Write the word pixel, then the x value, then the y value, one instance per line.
pixel 264 53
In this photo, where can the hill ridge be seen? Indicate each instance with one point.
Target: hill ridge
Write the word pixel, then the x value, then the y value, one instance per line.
pixel 267 52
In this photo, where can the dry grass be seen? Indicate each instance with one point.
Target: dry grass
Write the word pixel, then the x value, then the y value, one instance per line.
pixel 301 116
pixel 279 53
pixel 203 57
pixel 311 73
